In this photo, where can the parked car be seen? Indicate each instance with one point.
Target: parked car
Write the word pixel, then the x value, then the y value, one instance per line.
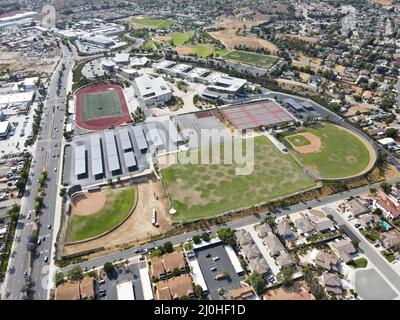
pixel 213 269
pixel 208 255
pixel 216 258
pixel 357 225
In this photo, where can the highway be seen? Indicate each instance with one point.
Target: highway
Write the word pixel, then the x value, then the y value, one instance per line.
pixel 46 157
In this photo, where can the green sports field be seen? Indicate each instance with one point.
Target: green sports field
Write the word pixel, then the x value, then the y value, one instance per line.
pixel 100 105
pixel 148 22
pixel 181 37
pixel 251 58
pixel 341 155
pixel 202 190
pixel 119 203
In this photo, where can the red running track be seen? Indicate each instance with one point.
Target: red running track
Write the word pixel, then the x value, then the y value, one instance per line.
pixel 104 123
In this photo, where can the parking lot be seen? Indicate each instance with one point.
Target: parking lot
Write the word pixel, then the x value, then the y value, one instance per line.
pixel 107 287
pixel 211 267
pixel 158 132
pixel 198 121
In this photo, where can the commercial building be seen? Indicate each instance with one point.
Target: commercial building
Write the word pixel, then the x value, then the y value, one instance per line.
pixel 5 128
pixel 225 87
pixel 18 17
pixel 98 40
pixel 17 98
pixel 125 291
pixel 153 91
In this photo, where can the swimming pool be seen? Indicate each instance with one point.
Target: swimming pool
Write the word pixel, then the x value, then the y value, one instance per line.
pixel 385 225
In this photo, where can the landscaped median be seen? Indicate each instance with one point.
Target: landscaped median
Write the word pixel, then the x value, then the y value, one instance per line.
pixel 96 214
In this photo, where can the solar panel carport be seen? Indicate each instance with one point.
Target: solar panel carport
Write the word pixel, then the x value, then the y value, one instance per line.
pixel 155 135
pixel 80 160
pixel 112 153
pixel 173 132
pixel 96 155
pixel 125 139
pixel 294 104
pixel 140 138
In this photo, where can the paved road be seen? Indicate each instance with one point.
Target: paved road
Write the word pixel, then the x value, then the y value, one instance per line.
pixel 125 254
pixel 377 259
pixel 48 144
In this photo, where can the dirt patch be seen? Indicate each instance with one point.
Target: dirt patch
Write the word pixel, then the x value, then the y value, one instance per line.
pixel 302 38
pixel 138 227
pixel 314 146
pixel 88 203
pixel 383 2
pixel 230 39
pixel 357 108
pixel 182 50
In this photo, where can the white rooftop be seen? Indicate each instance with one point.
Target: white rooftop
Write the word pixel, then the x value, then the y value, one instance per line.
pixel 16 98
pixel 125 291
pixel 121 57
pixel 4 126
pixel 149 88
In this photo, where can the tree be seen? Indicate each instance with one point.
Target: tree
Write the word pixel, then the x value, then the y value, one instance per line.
pixel 62 192
pixel 59 278
pixel 285 276
pixel 75 274
pixel 392 133
pixel 378 212
pixel 270 220
pixel 168 246
pixel 176 272
pixel 386 187
pixel 196 239
pixel 226 235
pixel 108 267
pixel 198 291
pixel 205 236
pixel 257 282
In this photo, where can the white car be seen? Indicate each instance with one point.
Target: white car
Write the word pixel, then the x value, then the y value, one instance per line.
pixel 216 258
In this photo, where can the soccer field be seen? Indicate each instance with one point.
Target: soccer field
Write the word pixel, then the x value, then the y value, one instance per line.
pixel 250 58
pixel 100 105
pixel 199 191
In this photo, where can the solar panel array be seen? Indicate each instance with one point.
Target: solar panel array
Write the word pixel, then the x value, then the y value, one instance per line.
pixel 173 131
pixel 80 160
pixel 264 113
pixel 96 155
pixel 125 139
pixel 294 104
pixel 154 135
pixel 112 153
pixel 140 138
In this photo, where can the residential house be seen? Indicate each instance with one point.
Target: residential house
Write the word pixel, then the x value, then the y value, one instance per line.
pixel 263 230
pixel 87 288
pixel 304 227
pixel 274 245
pixel 243 293
pixel 259 265
pixel 326 261
pixel 251 251
pixel 162 290
pixel 344 249
pixel 332 283
pixel 243 237
pixel 172 261
pixel 284 260
pixel 181 286
pixel 68 291
pixel 322 225
pixel 368 220
pixel 157 268
pixel 389 209
pixel 284 231
pixel 390 239
pixel 356 207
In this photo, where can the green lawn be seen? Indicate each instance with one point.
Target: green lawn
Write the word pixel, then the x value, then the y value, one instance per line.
pixel 388 255
pixel 342 154
pixel 202 190
pixel 100 105
pixel 148 22
pixel 360 263
pixel 119 203
pixel 298 140
pixel 181 37
pixel 251 58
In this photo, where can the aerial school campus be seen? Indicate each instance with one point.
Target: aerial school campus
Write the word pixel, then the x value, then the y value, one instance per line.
pixel 207 152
